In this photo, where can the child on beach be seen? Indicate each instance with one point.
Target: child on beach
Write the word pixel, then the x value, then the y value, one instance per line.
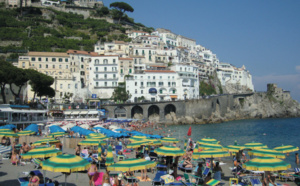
pixel 34 179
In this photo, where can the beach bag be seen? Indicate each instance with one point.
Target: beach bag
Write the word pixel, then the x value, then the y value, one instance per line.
pixel 178 178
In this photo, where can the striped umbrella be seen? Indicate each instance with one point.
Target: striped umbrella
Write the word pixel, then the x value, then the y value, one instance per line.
pixel 155 143
pixel 131 165
pixel 45 141
pixel 137 144
pixel 5 130
pixel 137 138
pixel 57 134
pixel 266 164
pixel 211 146
pixel 99 152
pixel 266 152
pixel 169 151
pixel 169 140
pixel 234 148
pixel 254 145
pixel 109 157
pixel 210 153
pixel 286 149
pixel 213 182
pixel 9 134
pixel 25 133
pixel 66 163
pixel 96 135
pixel 208 140
pixel 41 152
pixel 92 142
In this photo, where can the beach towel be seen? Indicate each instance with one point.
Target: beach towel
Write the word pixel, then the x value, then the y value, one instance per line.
pixel 167 178
pixel 98 178
pixel 140 178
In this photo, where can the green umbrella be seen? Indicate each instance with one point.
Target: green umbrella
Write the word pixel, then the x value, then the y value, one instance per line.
pixel 266 152
pixel 254 145
pixel 137 138
pixel 99 152
pixel 234 148
pixel 286 149
pixel 208 140
pixel 210 153
pixel 266 164
pixel 109 156
pixel 25 133
pixel 96 135
pixel 9 134
pixel 131 165
pixel 211 146
pixel 91 141
pixel 137 144
pixel 45 141
pixel 41 152
pixel 169 151
pixel 65 163
pixel 5 130
pixel 57 134
pixel 169 140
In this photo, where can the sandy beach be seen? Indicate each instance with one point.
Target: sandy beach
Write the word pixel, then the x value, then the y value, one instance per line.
pixel 10 173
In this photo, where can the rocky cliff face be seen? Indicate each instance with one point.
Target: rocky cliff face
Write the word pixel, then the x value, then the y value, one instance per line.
pixel 259 105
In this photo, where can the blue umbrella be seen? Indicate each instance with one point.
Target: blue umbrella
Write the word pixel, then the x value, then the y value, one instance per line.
pixel 55 128
pixel 8 126
pixel 33 127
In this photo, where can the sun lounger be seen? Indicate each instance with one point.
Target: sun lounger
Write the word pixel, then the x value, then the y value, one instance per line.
pixel 157 180
pixel 131 179
pixel 5 151
pixel 25 180
pixel 255 182
pixel 188 180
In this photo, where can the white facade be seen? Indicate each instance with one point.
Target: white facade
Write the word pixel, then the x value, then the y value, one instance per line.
pixel 186 42
pixel 229 74
pixel 104 75
pixel 135 33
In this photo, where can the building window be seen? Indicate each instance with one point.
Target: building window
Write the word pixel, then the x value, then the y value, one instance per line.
pixel 121 71
pixel 60 59
pixel 153 77
pixel 160 83
pixel 46 59
pixel 69 86
pixel 82 73
pixel 82 66
pixel 53 66
pixel 105 76
pixel 40 66
pixel 96 76
pixel 105 69
pixel 142 91
pixel 33 59
pixel 53 59
pixel 130 70
pixel 23 64
pixel 160 77
pixel 114 61
pixel 148 77
pixel 76 86
pixel 61 86
pixel 135 83
pixel 59 66
pixel 40 59
pixel 67 66
pixel 135 91
pixel 96 69
pixel 114 75
pixel 66 60
pixel 46 66
pixel 105 84
pixel 105 61
pixel 96 61
pixel 97 84
pixel 82 59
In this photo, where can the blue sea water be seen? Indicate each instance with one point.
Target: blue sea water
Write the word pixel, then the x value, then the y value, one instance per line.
pixel 271 132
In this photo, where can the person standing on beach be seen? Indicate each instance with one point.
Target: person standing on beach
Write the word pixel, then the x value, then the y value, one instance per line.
pixel 91 172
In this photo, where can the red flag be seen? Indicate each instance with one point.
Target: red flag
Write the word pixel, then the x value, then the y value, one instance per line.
pixel 190 131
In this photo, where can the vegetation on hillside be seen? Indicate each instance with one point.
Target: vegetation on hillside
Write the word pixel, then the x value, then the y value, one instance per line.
pixel 45 29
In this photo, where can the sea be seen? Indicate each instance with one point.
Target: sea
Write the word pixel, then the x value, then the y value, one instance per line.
pixel 271 132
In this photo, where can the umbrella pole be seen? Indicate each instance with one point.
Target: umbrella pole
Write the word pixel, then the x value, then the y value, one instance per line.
pixel 65 179
pixel 44 171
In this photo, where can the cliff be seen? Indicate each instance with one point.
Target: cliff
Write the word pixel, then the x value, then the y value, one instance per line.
pixel 275 103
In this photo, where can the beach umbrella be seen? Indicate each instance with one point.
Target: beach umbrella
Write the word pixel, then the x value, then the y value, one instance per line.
pixel 65 163
pixel 234 148
pixel 33 127
pixel 169 140
pixel 208 140
pixel 211 146
pixel 137 138
pixel 8 126
pixel 155 143
pixel 91 141
pixel 109 157
pixel 169 151
pixel 45 141
pixel 266 164
pixel 5 130
pixel 99 152
pixel 254 145
pixel 137 144
pixel 131 165
pixel 41 152
pixel 9 134
pixel 266 152
pixel 57 134
pixel 210 153
pixel 25 133
pixel 55 128
pixel 286 149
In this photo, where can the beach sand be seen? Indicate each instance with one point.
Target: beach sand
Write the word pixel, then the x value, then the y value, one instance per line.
pixel 10 173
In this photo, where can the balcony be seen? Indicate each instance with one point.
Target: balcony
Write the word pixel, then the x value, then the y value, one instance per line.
pixel 105 72
pixel 107 64
pixel 105 79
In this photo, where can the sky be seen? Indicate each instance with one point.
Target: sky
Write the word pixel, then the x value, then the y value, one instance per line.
pixel 263 35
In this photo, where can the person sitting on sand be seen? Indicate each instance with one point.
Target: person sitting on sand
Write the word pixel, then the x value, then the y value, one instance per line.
pixel 187 162
pixel 34 179
pixel 91 173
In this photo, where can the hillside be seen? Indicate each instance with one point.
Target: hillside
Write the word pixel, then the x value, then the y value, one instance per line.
pixel 45 29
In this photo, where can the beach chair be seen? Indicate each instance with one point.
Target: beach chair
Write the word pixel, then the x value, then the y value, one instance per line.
pixel 37 163
pixel 84 156
pixel 120 157
pixel 157 180
pixel 25 180
pixel 188 180
pixel 255 181
pixel 5 151
pixel 118 148
pixel 131 179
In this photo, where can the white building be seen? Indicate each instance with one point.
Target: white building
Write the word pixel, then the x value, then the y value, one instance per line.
pixel 104 75
pixel 135 33
pixel 237 77
pixel 186 42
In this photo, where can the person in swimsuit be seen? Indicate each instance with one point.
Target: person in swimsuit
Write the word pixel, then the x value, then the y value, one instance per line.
pixel 77 150
pixel 34 179
pixel 91 173
pixel 15 158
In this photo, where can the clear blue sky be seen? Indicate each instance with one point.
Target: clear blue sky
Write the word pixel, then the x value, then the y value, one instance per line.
pixel 263 35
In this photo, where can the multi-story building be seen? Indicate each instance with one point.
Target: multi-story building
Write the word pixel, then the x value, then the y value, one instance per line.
pixel 186 42
pixel 16 3
pixel 54 64
pixel 135 33
pixel 104 75
pixel 120 48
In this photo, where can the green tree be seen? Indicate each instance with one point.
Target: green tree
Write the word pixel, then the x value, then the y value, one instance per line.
pixel 120 94
pixel 103 11
pixel 19 78
pixel 5 69
pixel 122 8
pixel 46 91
